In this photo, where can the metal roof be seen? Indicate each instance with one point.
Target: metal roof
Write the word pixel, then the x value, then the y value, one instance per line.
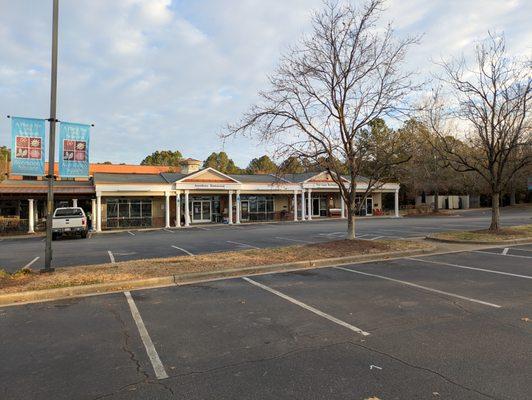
pixel 102 177
pixel 22 186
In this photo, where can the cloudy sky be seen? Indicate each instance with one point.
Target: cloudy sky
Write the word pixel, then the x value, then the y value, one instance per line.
pixel 163 74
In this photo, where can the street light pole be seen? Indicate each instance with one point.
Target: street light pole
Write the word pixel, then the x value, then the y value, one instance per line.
pixel 51 149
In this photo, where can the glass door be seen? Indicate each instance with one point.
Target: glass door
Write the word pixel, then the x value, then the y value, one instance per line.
pixel 244 210
pixel 206 211
pixel 316 207
pixel 369 206
pixel 201 211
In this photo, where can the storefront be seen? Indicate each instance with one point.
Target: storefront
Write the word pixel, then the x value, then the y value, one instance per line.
pixel 138 200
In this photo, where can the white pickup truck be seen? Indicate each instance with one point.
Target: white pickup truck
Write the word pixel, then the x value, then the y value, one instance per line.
pixel 69 221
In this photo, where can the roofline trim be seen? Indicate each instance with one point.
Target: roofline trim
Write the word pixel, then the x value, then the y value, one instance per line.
pixel 201 171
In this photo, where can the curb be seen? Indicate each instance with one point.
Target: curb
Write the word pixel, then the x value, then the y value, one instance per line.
pixel 36 296
pixel 494 242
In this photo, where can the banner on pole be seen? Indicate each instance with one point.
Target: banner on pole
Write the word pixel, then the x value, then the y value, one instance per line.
pixel 73 150
pixel 27 146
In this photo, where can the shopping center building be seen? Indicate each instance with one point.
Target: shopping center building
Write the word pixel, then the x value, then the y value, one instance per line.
pixel 137 197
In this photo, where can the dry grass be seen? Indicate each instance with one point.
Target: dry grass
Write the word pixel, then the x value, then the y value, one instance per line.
pixel 151 268
pixel 515 232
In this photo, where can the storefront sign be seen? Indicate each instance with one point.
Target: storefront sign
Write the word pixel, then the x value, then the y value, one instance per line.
pixel 73 150
pixel 27 146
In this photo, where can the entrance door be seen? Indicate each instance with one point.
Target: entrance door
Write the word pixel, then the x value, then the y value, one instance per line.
pixel 244 210
pixel 316 207
pixel 369 206
pixel 201 211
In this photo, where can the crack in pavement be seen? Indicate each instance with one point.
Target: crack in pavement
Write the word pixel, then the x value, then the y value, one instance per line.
pixel 126 348
pixel 426 369
pixel 349 342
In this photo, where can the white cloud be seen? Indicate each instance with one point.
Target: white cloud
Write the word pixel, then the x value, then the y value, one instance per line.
pixel 156 74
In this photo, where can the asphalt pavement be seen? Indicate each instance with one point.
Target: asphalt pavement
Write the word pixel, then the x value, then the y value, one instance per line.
pixel 447 326
pixel 137 244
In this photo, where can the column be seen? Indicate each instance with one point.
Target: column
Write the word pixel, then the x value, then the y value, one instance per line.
pixel 295 205
pixel 99 213
pixel 167 210
pixel 397 203
pixel 230 207
pixel 303 216
pixel 238 211
pixel 309 207
pixel 342 205
pixel 94 213
pixel 74 202
pixel 178 209
pixel 31 216
pixel 187 209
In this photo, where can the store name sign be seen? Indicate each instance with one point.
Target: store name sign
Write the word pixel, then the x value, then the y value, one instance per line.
pixel 210 186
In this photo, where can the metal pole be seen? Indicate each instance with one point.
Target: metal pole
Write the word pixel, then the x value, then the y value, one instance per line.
pixel 51 149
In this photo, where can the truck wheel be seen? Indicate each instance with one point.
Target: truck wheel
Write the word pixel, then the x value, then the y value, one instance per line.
pixel 84 235
pixel 54 236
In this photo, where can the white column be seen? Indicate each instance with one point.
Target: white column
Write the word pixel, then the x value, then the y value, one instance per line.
pixel 178 209
pixel 167 210
pixel 74 202
pixel 99 213
pixel 295 205
pixel 342 205
pixel 94 213
pixel 187 209
pixel 303 214
pixel 397 203
pixel 238 211
pixel 230 207
pixel 309 208
pixel 31 216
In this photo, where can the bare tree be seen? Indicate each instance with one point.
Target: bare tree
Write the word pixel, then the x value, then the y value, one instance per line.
pixel 327 91
pixel 487 107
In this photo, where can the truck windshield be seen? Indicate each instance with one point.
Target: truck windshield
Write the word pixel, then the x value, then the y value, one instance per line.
pixel 72 212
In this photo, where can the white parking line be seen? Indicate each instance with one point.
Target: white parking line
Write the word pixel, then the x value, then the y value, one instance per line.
pixel 293 240
pixel 131 233
pixel 505 251
pixel 202 228
pixel 31 262
pixel 307 307
pixel 111 256
pixel 243 244
pixel 420 287
pixel 156 363
pixel 183 250
pixel 499 254
pixel 168 230
pixel 471 268
pixel 376 237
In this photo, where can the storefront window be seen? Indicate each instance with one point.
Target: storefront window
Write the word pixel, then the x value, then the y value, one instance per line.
pixel 260 207
pixel 124 213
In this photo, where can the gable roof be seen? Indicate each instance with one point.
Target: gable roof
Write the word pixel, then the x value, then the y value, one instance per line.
pixel 197 175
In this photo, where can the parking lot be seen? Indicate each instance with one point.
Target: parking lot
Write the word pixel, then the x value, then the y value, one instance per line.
pixel 447 326
pixel 135 244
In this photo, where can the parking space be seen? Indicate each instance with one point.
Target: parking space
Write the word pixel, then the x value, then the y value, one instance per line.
pixel 144 244
pixel 443 326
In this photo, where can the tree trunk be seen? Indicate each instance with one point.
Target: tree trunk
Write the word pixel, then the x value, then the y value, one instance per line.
pixel 436 202
pixel 350 224
pixel 495 212
pixel 351 212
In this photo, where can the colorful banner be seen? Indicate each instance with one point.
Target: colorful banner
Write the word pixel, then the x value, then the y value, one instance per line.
pixel 73 150
pixel 27 146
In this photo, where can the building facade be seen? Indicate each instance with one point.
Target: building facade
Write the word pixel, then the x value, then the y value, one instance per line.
pixel 128 200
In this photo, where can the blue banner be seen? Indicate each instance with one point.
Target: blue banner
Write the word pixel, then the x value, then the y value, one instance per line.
pixel 27 146
pixel 73 150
